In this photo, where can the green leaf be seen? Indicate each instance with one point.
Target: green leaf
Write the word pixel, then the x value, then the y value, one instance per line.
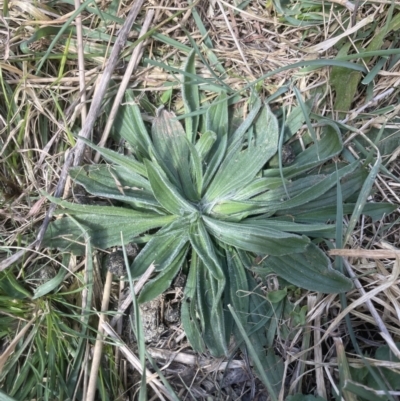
pixel 329 146
pixel 308 194
pixel 237 284
pixel 216 121
pixel 172 150
pixel 109 176
pixel 128 162
pixel 104 225
pixel 196 170
pixel 350 184
pixel 210 311
pixel 129 124
pixel 165 192
pixel 310 270
pixel 162 248
pixel 254 237
pixel 302 397
pixel 238 134
pixel 277 295
pixel 258 186
pixel 204 247
pixel 295 120
pixel 189 315
pixel 205 143
pixel 311 230
pixel 363 196
pixel 241 166
pixel 190 96
pixel 163 280
pixel 5 397
pixel 345 83
pixel 322 214
pixel 116 183
pixel 50 285
pixel 364 392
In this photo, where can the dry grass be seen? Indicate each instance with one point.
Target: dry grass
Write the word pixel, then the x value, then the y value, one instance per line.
pixel 41 111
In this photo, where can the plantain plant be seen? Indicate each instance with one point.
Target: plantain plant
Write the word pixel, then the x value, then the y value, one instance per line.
pixel 204 195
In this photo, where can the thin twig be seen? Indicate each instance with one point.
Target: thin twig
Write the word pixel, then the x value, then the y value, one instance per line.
pixel 365 253
pixel 128 300
pixel 133 63
pixel 104 81
pixel 75 156
pixel 374 313
pixel 235 39
pixel 135 362
pixel 81 62
pixel 91 392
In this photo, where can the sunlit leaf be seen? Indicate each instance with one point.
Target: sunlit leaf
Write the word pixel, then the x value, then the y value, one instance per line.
pixel 165 192
pixel 172 149
pixel 255 238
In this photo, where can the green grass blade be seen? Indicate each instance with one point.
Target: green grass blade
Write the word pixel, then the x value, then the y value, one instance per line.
pixel 364 194
pixel 67 24
pixel 254 356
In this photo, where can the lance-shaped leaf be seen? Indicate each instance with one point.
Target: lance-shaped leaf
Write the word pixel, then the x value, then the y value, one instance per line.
pixel 238 284
pixel 172 148
pixel 256 238
pixel 153 288
pixel 311 230
pixel 165 192
pixel 238 134
pixel 189 314
pixel 349 185
pixel 311 193
pixel 310 270
pixel 190 96
pixel 116 183
pixel 110 176
pixel 128 162
pixel 216 121
pixel 129 124
pixel 258 186
pixel 162 248
pixel 241 166
pixel 329 146
pixel 210 311
pixel 322 214
pixel 205 143
pixel 204 247
pixel 104 225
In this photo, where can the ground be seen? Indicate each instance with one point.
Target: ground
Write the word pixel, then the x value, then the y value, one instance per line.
pixel 292 54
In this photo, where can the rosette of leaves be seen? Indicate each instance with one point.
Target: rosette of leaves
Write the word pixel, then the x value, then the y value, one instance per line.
pixel 203 196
